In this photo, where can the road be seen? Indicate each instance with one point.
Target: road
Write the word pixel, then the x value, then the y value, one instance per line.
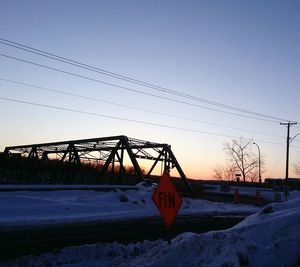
pixel 37 239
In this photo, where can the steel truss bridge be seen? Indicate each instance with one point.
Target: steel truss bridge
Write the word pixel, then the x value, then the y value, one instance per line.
pixel 111 152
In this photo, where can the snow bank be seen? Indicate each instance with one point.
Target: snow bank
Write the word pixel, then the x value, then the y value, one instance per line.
pixel 266 193
pixel 271 237
pixel 66 206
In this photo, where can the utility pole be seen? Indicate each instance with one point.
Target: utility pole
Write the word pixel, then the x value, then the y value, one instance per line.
pixel 288 124
pixel 259 171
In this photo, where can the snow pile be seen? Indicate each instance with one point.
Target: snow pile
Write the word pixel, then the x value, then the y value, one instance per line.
pixel 65 206
pixel 266 193
pixel 271 237
pixel 104 255
pixel 71 206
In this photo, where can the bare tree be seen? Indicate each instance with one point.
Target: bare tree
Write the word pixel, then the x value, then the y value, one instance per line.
pixel 225 173
pixel 218 172
pixel 253 176
pixel 297 167
pixel 240 155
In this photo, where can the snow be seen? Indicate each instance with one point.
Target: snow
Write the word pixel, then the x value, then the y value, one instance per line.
pixel 266 193
pixel 65 206
pixel 270 237
pixel 13 187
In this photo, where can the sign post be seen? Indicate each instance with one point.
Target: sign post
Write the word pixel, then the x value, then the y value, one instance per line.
pixel 167 199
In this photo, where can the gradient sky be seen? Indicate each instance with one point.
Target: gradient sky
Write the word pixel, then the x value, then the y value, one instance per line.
pixel 240 53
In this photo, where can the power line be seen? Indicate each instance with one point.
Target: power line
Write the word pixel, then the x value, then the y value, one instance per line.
pixel 133 90
pixel 123 119
pixel 288 140
pixel 132 107
pixel 129 79
pixel 108 116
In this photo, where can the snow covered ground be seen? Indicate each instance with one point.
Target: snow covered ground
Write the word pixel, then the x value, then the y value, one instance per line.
pixel 63 206
pixel 270 237
pixel 266 193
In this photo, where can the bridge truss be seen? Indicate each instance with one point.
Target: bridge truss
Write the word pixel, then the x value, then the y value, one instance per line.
pixel 113 153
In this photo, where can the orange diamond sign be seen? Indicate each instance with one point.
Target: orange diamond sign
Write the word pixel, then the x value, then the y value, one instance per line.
pixel 167 199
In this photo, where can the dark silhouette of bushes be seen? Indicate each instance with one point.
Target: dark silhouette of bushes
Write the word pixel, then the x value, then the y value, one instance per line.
pixel 20 170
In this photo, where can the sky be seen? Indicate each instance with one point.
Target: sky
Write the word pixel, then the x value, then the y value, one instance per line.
pixel 244 54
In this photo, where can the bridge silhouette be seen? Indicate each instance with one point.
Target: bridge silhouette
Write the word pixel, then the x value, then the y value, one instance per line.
pixel 111 152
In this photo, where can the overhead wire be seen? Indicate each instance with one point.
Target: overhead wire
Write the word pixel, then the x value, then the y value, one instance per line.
pixel 257 115
pixel 129 79
pixel 124 119
pixel 132 107
pixel 135 90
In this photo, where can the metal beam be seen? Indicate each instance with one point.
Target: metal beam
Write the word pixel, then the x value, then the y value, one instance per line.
pixel 132 157
pixel 178 167
pixel 110 149
pixel 110 158
pixel 154 164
